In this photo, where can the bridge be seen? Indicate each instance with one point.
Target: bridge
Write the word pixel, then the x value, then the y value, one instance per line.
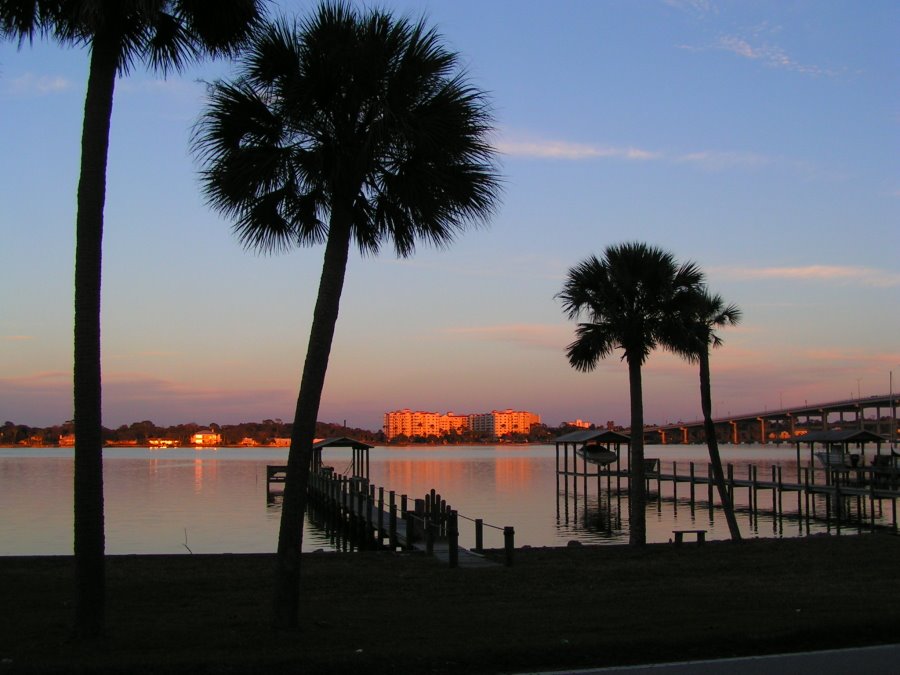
pixel 877 414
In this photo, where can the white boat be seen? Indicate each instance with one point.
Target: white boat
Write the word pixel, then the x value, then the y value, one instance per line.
pixel 835 459
pixel 597 454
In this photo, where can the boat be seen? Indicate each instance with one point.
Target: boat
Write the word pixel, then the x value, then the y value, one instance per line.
pixel 837 459
pixel 594 453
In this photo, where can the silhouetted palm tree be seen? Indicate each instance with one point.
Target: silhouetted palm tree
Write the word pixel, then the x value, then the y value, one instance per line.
pixel 165 35
pixel 707 313
pixel 629 299
pixel 348 127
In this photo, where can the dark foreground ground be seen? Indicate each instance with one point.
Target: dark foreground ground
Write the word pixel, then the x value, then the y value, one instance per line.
pixel 383 612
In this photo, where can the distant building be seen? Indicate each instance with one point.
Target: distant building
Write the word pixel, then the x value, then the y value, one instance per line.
pixel 499 423
pixel 578 424
pixel 409 423
pixel 162 443
pixel 282 442
pixel 206 437
pixel 66 440
pixel 494 424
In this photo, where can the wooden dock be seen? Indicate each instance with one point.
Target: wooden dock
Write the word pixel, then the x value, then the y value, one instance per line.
pixel 367 516
pixel 859 492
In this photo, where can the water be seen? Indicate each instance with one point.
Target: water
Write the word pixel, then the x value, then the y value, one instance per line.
pixel 214 501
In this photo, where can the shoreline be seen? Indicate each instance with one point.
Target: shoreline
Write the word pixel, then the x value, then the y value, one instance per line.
pixel 385 612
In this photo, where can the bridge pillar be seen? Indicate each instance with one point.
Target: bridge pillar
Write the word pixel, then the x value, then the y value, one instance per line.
pixel 762 430
pixel 684 435
pixel 662 436
pixel 734 432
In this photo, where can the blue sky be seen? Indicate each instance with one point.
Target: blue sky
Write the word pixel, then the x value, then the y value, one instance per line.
pixel 759 140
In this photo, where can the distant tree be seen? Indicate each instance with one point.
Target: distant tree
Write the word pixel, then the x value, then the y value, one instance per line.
pixel 703 316
pixel 164 34
pixel 628 298
pixel 347 127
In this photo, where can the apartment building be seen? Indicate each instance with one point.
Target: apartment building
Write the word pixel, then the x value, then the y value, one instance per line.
pixel 408 422
pixel 494 424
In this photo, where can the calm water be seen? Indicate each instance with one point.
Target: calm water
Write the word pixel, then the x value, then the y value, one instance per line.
pixel 214 501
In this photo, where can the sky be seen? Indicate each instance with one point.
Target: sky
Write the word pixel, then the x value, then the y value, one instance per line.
pixel 757 139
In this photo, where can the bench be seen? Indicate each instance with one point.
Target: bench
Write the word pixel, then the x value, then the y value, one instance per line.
pixel 679 536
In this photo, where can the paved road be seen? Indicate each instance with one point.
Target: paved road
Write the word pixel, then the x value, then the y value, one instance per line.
pixel 882 660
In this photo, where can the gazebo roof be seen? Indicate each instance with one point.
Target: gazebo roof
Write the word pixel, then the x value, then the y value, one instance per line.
pixel 341 442
pixel 596 435
pixel 841 436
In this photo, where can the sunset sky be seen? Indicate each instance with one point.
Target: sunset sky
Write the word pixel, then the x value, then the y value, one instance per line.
pixel 758 139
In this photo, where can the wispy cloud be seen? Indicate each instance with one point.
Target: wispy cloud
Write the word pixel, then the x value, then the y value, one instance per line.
pixel 30 84
pixel 843 274
pixel 552 149
pixel 16 338
pixel 562 150
pixel 755 48
pixel 698 7
pixel 725 160
pixel 542 336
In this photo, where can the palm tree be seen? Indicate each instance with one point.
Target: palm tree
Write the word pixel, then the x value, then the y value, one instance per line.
pixel 629 298
pixel 706 313
pixel 166 35
pixel 348 127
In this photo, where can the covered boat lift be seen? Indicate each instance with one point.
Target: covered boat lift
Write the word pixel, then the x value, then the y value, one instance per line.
pixel 577 440
pixel 837 450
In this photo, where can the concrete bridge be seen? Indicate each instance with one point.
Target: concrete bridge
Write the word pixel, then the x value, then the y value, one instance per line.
pixel 877 414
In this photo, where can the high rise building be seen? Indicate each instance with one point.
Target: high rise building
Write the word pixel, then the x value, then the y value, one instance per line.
pixel 494 424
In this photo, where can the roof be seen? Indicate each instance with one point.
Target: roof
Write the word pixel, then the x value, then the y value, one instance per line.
pixel 598 435
pixel 841 436
pixel 341 442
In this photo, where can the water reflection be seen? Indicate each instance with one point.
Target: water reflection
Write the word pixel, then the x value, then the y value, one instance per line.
pixel 160 501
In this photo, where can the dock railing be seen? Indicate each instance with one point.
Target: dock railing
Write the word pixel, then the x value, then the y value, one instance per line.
pixel 371 515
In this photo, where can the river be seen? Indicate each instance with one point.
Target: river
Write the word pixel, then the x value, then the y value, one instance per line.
pixel 214 501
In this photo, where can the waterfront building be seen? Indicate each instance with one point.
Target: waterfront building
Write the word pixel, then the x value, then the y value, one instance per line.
pixel 206 437
pixel 494 424
pixel 410 423
pixel 499 423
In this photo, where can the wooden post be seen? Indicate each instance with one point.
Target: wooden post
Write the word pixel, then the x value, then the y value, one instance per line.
pixel 509 543
pixel 479 535
pixel 392 519
pixel 429 536
pixel 381 513
pixel 674 481
pixel 453 539
pixel 410 528
pixel 692 485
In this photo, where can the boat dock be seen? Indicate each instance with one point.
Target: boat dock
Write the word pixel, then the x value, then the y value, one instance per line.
pixel 358 514
pixel 839 492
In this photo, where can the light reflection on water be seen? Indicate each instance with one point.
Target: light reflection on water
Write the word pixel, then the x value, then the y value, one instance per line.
pixel 172 501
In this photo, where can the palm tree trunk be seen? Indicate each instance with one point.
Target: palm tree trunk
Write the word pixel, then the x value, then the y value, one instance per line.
pixel 637 492
pixel 89 539
pixel 290 534
pixel 713 444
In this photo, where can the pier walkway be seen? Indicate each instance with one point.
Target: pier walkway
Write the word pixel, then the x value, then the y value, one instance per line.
pixel 363 515
pixel 839 475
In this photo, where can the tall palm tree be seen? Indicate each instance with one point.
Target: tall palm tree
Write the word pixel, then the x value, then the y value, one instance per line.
pixel 347 127
pixel 166 35
pixel 706 313
pixel 628 299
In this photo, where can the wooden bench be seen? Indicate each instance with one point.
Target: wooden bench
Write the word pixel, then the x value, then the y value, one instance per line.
pixel 679 536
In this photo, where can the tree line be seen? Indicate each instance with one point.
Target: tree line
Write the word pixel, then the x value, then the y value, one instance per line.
pixel 140 433
pixel 262 433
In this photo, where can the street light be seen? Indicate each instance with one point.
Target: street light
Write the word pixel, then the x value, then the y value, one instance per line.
pixel 893 407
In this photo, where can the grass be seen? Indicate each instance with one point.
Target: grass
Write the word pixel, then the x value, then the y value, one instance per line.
pixel 381 612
